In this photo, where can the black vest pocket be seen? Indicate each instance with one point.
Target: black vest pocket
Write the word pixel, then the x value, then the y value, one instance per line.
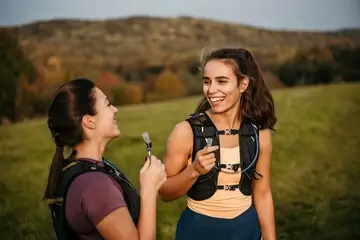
pixel 245 186
pixel 203 191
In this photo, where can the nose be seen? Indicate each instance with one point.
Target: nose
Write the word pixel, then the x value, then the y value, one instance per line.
pixel 212 88
pixel 115 109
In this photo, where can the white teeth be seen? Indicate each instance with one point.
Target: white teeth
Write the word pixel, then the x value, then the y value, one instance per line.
pixel 216 99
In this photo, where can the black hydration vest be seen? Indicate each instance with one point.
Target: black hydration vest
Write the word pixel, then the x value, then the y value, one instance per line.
pixel 206 185
pixel 75 169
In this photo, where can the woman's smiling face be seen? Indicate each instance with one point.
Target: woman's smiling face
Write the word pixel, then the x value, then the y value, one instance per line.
pixel 221 86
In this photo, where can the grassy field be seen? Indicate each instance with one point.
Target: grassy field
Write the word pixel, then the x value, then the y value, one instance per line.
pixel 316 163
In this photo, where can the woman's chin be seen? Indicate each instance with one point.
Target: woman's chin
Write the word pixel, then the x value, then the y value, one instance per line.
pixel 223 107
pixel 218 109
pixel 115 134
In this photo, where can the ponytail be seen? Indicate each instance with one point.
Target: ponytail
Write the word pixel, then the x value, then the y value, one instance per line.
pixel 56 167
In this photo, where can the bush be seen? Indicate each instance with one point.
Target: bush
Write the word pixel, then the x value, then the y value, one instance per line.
pixel 108 82
pixel 192 83
pixel 16 71
pixel 169 84
pixel 127 93
pixel 304 72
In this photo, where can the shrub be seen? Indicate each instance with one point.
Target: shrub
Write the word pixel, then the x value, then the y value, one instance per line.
pixel 169 84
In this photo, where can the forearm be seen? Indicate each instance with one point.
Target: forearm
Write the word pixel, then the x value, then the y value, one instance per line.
pixel 147 220
pixel 177 186
pixel 265 208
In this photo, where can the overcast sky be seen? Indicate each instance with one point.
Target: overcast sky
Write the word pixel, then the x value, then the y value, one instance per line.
pixel 273 14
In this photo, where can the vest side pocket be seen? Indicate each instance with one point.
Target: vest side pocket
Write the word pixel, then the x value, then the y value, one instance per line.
pixel 245 186
pixel 201 191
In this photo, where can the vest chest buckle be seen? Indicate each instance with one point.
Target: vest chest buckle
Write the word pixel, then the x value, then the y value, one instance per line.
pixel 229 166
pixel 227 132
pixel 227 187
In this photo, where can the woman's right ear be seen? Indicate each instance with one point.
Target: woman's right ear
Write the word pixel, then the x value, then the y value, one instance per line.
pixel 88 122
pixel 244 83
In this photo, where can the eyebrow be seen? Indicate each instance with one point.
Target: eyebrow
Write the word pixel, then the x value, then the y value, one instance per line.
pixel 217 78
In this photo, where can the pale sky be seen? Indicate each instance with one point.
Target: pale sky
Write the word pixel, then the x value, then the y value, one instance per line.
pixel 272 14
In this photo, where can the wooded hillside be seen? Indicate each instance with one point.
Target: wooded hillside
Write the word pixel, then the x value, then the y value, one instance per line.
pixel 142 59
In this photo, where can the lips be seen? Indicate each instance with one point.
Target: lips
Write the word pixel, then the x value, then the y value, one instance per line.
pixel 216 100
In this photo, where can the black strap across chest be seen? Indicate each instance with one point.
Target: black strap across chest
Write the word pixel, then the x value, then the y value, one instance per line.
pixel 203 127
pixel 229 132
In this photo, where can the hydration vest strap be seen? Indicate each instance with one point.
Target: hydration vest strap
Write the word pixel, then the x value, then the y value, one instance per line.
pixel 229 132
pixel 57 204
pixel 228 187
pixel 235 167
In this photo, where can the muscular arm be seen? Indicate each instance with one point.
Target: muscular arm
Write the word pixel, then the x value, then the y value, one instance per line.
pixel 180 175
pixel 262 195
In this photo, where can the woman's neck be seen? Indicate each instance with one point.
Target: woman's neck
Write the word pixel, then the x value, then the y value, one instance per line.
pixel 229 119
pixel 90 149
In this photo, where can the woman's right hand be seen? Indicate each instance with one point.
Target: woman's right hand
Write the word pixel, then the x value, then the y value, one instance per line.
pixel 152 175
pixel 204 160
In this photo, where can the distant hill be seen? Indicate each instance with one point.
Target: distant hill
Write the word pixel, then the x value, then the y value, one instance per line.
pixel 139 42
pixel 352 33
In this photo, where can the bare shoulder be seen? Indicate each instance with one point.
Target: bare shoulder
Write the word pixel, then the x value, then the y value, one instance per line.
pixel 178 148
pixel 180 138
pixel 182 130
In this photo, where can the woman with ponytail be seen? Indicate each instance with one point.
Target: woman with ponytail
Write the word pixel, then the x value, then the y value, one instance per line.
pixel 82 119
pixel 240 205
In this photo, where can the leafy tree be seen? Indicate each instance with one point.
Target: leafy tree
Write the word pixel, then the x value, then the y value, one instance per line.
pixel 169 84
pixel 107 82
pixel 127 93
pixel 193 84
pixel 16 71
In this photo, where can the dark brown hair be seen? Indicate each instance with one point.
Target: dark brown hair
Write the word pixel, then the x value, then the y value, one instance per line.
pixel 71 102
pixel 256 102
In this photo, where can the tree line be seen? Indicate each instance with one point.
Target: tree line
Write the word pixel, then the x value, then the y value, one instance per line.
pixel 26 88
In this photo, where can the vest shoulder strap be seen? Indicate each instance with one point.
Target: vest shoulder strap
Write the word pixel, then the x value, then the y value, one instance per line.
pixel 131 196
pixel 248 127
pixel 72 171
pixel 204 132
pixel 202 125
pixel 57 204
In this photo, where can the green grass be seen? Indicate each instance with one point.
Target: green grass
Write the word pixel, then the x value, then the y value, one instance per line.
pixel 315 166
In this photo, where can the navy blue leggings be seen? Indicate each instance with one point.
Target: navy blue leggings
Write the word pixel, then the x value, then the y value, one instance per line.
pixel 195 226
